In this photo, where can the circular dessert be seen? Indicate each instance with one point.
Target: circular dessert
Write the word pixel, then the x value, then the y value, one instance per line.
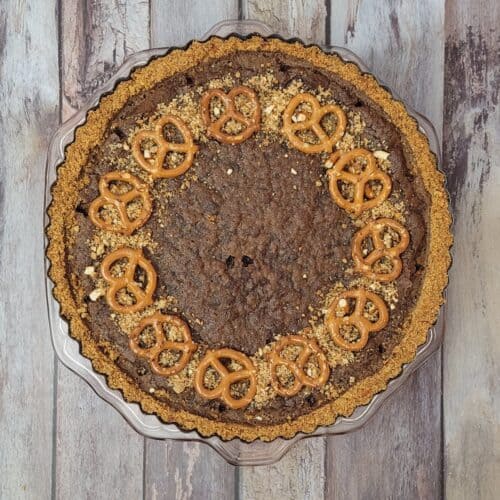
pixel 249 237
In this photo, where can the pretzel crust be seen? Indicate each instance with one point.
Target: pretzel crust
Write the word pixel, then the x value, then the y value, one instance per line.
pixel 364 326
pixel 214 128
pixel 155 167
pixel 296 367
pixel 143 297
pixel 313 122
pixel 223 389
pixel 364 263
pixel 65 194
pixel 120 202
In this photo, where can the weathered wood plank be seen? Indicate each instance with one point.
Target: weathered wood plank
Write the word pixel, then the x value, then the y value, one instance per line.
pixel 98 35
pixel 29 92
pixel 398 453
pixel 393 455
pixel 173 24
pixel 187 470
pixel 173 469
pixel 91 435
pixel 472 347
pixel 98 454
pixel 300 473
pixel 402 43
pixel 294 18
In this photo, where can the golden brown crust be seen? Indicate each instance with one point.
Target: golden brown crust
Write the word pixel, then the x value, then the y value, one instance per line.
pixel 65 192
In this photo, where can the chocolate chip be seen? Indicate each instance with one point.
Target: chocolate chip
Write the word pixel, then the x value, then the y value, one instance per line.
pixel 246 260
pixel 311 400
pixel 230 262
pixel 189 80
pixel 284 67
pixel 102 348
pixel 358 104
pixel 120 133
pixel 81 210
pixel 147 253
pixel 381 349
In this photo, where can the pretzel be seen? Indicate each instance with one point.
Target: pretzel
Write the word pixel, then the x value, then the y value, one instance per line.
pixel 296 367
pixel 214 128
pixel 155 167
pixel 120 202
pixel 364 263
pixel 223 390
pixel 135 258
pixel 334 323
pixel 360 181
pixel 313 122
pixel 186 347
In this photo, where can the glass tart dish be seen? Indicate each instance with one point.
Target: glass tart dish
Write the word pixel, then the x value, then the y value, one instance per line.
pixel 249 238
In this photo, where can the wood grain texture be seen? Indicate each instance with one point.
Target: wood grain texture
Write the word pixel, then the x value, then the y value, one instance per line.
pixel 91 435
pixel 98 35
pixel 394 455
pixel 402 42
pixel 472 347
pixel 29 93
pixel 292 18
pixel 173 469
pixel 397 454
pixel 186 470
pixel 98 454
pixel 176 22
pixel 301 472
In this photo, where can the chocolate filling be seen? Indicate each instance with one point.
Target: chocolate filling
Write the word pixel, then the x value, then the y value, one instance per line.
pixel 256 241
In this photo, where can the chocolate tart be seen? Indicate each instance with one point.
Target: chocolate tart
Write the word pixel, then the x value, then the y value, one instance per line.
pixel 249 237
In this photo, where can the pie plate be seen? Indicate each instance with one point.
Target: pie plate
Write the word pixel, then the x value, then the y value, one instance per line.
pixel 68 350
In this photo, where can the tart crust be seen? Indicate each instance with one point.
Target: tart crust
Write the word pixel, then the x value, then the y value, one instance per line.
pixel 415 328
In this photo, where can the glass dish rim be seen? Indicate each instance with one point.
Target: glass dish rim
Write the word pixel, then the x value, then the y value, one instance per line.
pixel 68 350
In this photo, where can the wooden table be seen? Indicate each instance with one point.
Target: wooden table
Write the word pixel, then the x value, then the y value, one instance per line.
pixel 438 436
